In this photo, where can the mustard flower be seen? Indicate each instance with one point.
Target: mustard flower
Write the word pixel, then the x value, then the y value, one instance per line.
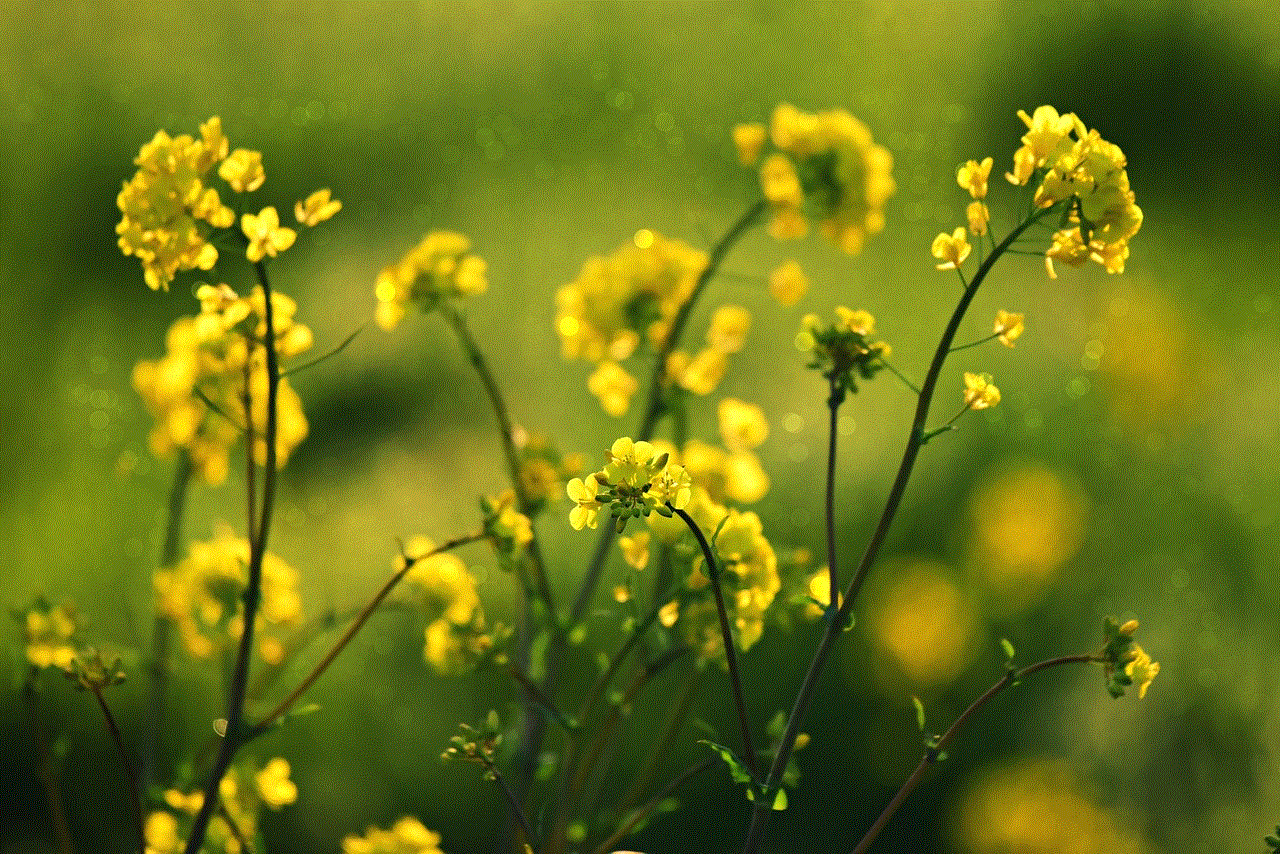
pixel 440 267
pixel 274 785
pixel 243 170
pixel 979 391
pixel 613 386
pixel 635 550
pixel 844 348
pixel 745 481
pixel 951 249
pixel 406 836
pixel 266 237
pixel 586 509
pixel 701 374
pixel 317 208
pixel 728 330
pixel 788 283
pixel 1141 669
pixel 1008 327
pixel 50 634
pixel 742 425
pixel 973 175
pixel 749 139
pixel 978 216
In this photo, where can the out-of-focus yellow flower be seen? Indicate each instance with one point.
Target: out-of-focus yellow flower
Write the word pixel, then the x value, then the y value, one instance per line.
pixel 859 321
pixel 1008 327
pixel 742 425
pixel 979 391
pixel 587 508
pixel 703 373
pixel 161 832
pixel 788 283
pixel 456 636
pixel 440 267
pixel 923 624
pixel 669 613
pixel 973 175
pixel 746 553
pixel 49 634
pixel 318 207
pixel 243 170
pixel 274 785
pixel 749 139
pixel 818 588
pixel 1141 669
pixel 406 836
pixel 978 215
pixel 266 236
pixel 613 386
pixel 635 549
pixel 951 249
pixel 728 330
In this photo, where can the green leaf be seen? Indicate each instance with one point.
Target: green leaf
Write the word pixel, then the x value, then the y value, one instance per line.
pixel 919 712
pixel 1007 647
pixel 737 770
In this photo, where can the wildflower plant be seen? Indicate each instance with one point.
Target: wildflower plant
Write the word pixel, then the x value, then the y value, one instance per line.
pixel 704 577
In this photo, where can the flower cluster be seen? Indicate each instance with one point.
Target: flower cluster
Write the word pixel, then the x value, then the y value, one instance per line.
pixel 1078 166
pixel 196 392
pixel 509 530
pixel 634 482
pixel 825 166
pixel 50 634
pixel 244 791
pixel 843 349
pixel 456 637
pixel 979 391
pixel 543 469
pixel 406 836
pixel 440 267
pixel 1125 663
pixel 202 596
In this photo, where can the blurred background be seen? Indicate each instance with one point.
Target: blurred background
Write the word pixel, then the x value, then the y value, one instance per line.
pixel 1132 468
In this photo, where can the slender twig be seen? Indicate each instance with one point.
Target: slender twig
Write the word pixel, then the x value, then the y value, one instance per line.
pixel 234 827
pixel 318 359
pixel 250 437
pixel 513 805
pixel 130 777
pixel 253 588
pixel 541 699
pixel 48 779
pixel 932 756
pixel 288 702
pixel 645 811
pixel 671 729
pixel 959 347
pixel 726 635
pixel 833 404
pixel 908 383
pixel 162 626
pixel 760 814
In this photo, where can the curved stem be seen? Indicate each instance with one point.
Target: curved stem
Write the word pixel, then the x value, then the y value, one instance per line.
pixel 130 777
pixel 931 757
pixel 760 814
pixel 726 635
pixel 234 736
pixel 288 702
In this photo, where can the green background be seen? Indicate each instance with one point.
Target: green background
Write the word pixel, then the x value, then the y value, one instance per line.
pixel 549 132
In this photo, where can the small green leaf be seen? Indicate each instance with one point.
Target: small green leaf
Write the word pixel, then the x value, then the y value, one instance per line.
pixel 780 801
pixel 919 712
pixel 736 769
pixel 1008 648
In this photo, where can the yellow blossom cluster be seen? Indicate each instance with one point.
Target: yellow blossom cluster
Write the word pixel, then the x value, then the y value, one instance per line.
pixel 217 358
pixel 972 176
pixel 243 792
pixel 843 349
pixel 979 391
pixel 637 480
pixel 202 596
pixel 440 584
pixel 825 165
pixel 703 371
pixel 543 469
pixel 440 267
pixel 1077 164
pixel 406 836
pixel 49 634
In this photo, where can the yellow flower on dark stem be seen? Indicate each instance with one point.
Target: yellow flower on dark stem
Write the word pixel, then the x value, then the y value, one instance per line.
pixel 1008 327
pixel 979 391
pixel 1142 670
pixel 318 207
pixel 951 249
pixel 266 237
pixel 973 175
pixel 243 170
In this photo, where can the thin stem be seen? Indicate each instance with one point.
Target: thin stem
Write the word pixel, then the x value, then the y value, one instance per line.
pixel 162 626
pixel 129 774
pixel 908 383
pixel 288 702
pixel 318 359
pixel 512 804
pixel 253 589
pixel 541 699
pixel 234 827
pixel 938 431
pixel 833 404
pixel 606 676
pixel 645 811
pixel 959 347
pixel 48 779
pixel 671 729
pixel 760 814
pixel 250 470
pixel 931 756
pixel 726 635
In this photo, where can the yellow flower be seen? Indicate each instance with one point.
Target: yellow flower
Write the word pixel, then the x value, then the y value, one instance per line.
pixel 669 613
pixel 1008 327
pixel 439 267
pixel 978 216
pixel 704 372
pixel 406 836
pixel 161 831
pixel 1141 669
pixel 613 386
pixel 742 425
pixel 951 249
pixel 860 321
pixel 973 175
pixel 728 330
pixel 586 511
pixel 979 391
pixel 749 140
pixel 266 237
pixel 49 634
pixel 745 480
pixel 671 486
pixel 635 550
pixel 274 785
pixel 788 283
pixel 317 208
pixel 243 170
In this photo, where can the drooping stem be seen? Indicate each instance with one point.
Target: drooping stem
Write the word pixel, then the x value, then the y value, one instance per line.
pixel 931 757
pixel 726 636
pixel 130 777
pixel 760 814
pixel 235 733
pixel 316 672
pixel 162 626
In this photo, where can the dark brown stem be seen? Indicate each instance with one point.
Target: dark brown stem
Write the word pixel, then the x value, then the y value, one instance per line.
pixel 130 777
pixel 760 814
pixel 833 404
pixel 932 756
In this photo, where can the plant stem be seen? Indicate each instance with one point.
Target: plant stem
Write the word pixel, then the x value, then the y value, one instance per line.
pixel 288 702
pixel 726 635
pixel 760 814
pixel 833 403
pixel 643 812
pixel 48 779
pixel 234 736
pixel 671 728
pixel 130 777
pixel 931 757
pixel 162 626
